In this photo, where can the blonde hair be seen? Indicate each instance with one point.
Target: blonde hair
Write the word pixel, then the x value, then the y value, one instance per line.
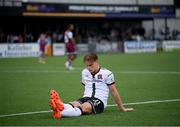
pixel 90 57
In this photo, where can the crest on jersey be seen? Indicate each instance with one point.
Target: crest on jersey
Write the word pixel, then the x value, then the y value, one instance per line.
pixel 100 76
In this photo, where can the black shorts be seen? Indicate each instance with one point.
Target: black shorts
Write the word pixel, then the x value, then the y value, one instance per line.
pixel 97 104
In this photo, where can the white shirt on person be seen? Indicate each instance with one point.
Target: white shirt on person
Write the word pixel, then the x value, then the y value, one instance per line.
pixel 97 85
pixel 67 36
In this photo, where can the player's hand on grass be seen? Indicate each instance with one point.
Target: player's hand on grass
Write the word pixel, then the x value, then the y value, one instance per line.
pixel 127 109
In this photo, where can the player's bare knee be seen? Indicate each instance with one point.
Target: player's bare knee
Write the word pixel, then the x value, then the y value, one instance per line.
pixel 86 108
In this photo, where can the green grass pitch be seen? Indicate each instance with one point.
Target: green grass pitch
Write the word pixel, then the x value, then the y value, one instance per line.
pixel 25 85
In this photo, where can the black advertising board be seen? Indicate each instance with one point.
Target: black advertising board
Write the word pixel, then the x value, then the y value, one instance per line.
pixel 16 7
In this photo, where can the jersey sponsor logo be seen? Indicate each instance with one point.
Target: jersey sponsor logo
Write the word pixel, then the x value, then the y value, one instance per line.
pixel 97 81
pixel 94 81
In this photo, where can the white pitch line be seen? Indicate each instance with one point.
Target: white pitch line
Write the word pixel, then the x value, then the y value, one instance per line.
pixel 135 103
pixel 25 113
pixel 147 102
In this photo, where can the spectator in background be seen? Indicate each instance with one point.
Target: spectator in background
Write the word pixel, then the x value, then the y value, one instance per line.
pixel 175 33
pixel 9 38
pixel 2 37
pixel 42 41
pixel 70 46
pixel 29 37
pixel 20 38
pixel 15 39
pixel 165 32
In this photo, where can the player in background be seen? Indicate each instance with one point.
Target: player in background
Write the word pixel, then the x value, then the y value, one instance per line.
pixel 42 41
pixel 70 46
pixel 97 83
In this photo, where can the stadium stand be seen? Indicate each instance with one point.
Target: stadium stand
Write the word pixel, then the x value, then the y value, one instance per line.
pixel 97 22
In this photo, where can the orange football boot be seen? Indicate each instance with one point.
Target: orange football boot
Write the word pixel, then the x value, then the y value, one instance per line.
pixel 56 111
pixel 55 96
